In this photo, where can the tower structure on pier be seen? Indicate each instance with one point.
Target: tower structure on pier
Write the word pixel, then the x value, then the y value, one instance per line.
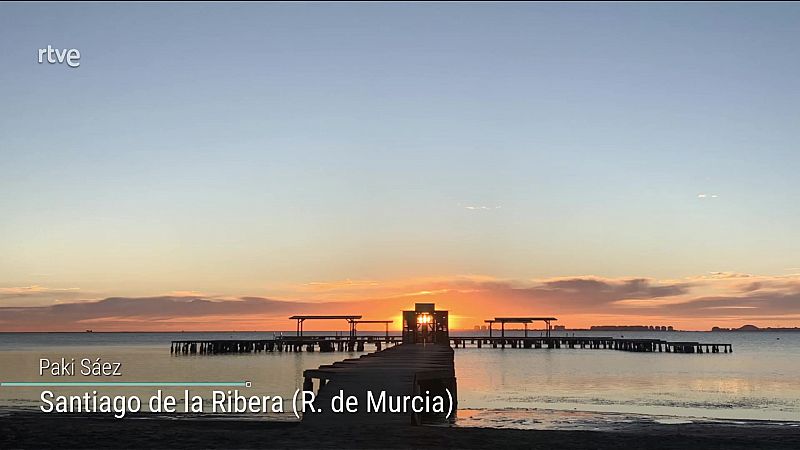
pixel 426 325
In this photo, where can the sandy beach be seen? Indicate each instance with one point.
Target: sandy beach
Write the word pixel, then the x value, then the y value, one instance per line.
pixel 34 430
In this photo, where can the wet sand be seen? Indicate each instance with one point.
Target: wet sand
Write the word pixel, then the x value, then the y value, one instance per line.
pixel 35 430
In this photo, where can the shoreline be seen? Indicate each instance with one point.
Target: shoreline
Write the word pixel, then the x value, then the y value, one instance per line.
pixel 535 419
pixel 37 430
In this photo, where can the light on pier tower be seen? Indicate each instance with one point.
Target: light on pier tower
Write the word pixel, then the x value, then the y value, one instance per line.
pixel 425 325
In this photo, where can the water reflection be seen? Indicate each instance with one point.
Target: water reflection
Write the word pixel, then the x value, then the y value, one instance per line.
pixel 757 381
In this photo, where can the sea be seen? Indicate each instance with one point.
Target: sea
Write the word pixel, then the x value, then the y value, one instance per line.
pixel 517 388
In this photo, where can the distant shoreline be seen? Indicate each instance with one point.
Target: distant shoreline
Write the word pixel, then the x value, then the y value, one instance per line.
pixel 755 329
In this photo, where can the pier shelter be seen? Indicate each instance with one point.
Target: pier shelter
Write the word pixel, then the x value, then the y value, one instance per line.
pixel 425 325
pixel 523 320
pixel 385 322
pixel 351 321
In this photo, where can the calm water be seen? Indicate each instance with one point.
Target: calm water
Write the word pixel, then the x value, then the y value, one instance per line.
pixel 758 381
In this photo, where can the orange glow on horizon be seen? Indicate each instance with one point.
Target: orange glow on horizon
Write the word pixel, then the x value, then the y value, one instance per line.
pixel 693 303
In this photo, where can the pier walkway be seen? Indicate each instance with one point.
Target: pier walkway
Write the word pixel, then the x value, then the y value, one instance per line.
pixel 424 370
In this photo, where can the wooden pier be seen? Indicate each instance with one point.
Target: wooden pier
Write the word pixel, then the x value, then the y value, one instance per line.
pixel 426 324
pixel 332 343
pixel 418 363
pixel 324 343
pixel 590 342
pixel 425 370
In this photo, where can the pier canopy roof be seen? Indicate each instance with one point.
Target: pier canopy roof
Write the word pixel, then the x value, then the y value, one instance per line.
pixel 525 320
pixel 324 317
pixel 520 319
pixel 349 318
pixel 385 322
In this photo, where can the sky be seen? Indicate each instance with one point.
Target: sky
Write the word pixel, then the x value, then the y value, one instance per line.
pixel 217 166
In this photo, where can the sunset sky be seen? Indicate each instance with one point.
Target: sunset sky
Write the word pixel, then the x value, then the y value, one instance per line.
pixel 219 166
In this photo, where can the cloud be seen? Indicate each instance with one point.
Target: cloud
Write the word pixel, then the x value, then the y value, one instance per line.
pixel 481 207
pixel 33 290
pixel 341 284
pixel 757 303
pixel 37 295
pixel 115 310
pixel 187 294
pixel 721 275
pixel 695 299
pixel 637 296
pixel 706 299
pixel 617 289
pixel 570 295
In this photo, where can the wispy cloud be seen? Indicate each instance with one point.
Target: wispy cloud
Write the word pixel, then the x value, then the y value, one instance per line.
pixel 342 284
pixel 37 295
pixel 187 294
pixel 23 291
pixel 482 207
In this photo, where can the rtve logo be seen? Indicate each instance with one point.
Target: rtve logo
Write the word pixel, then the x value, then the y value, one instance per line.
pixel 72 56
